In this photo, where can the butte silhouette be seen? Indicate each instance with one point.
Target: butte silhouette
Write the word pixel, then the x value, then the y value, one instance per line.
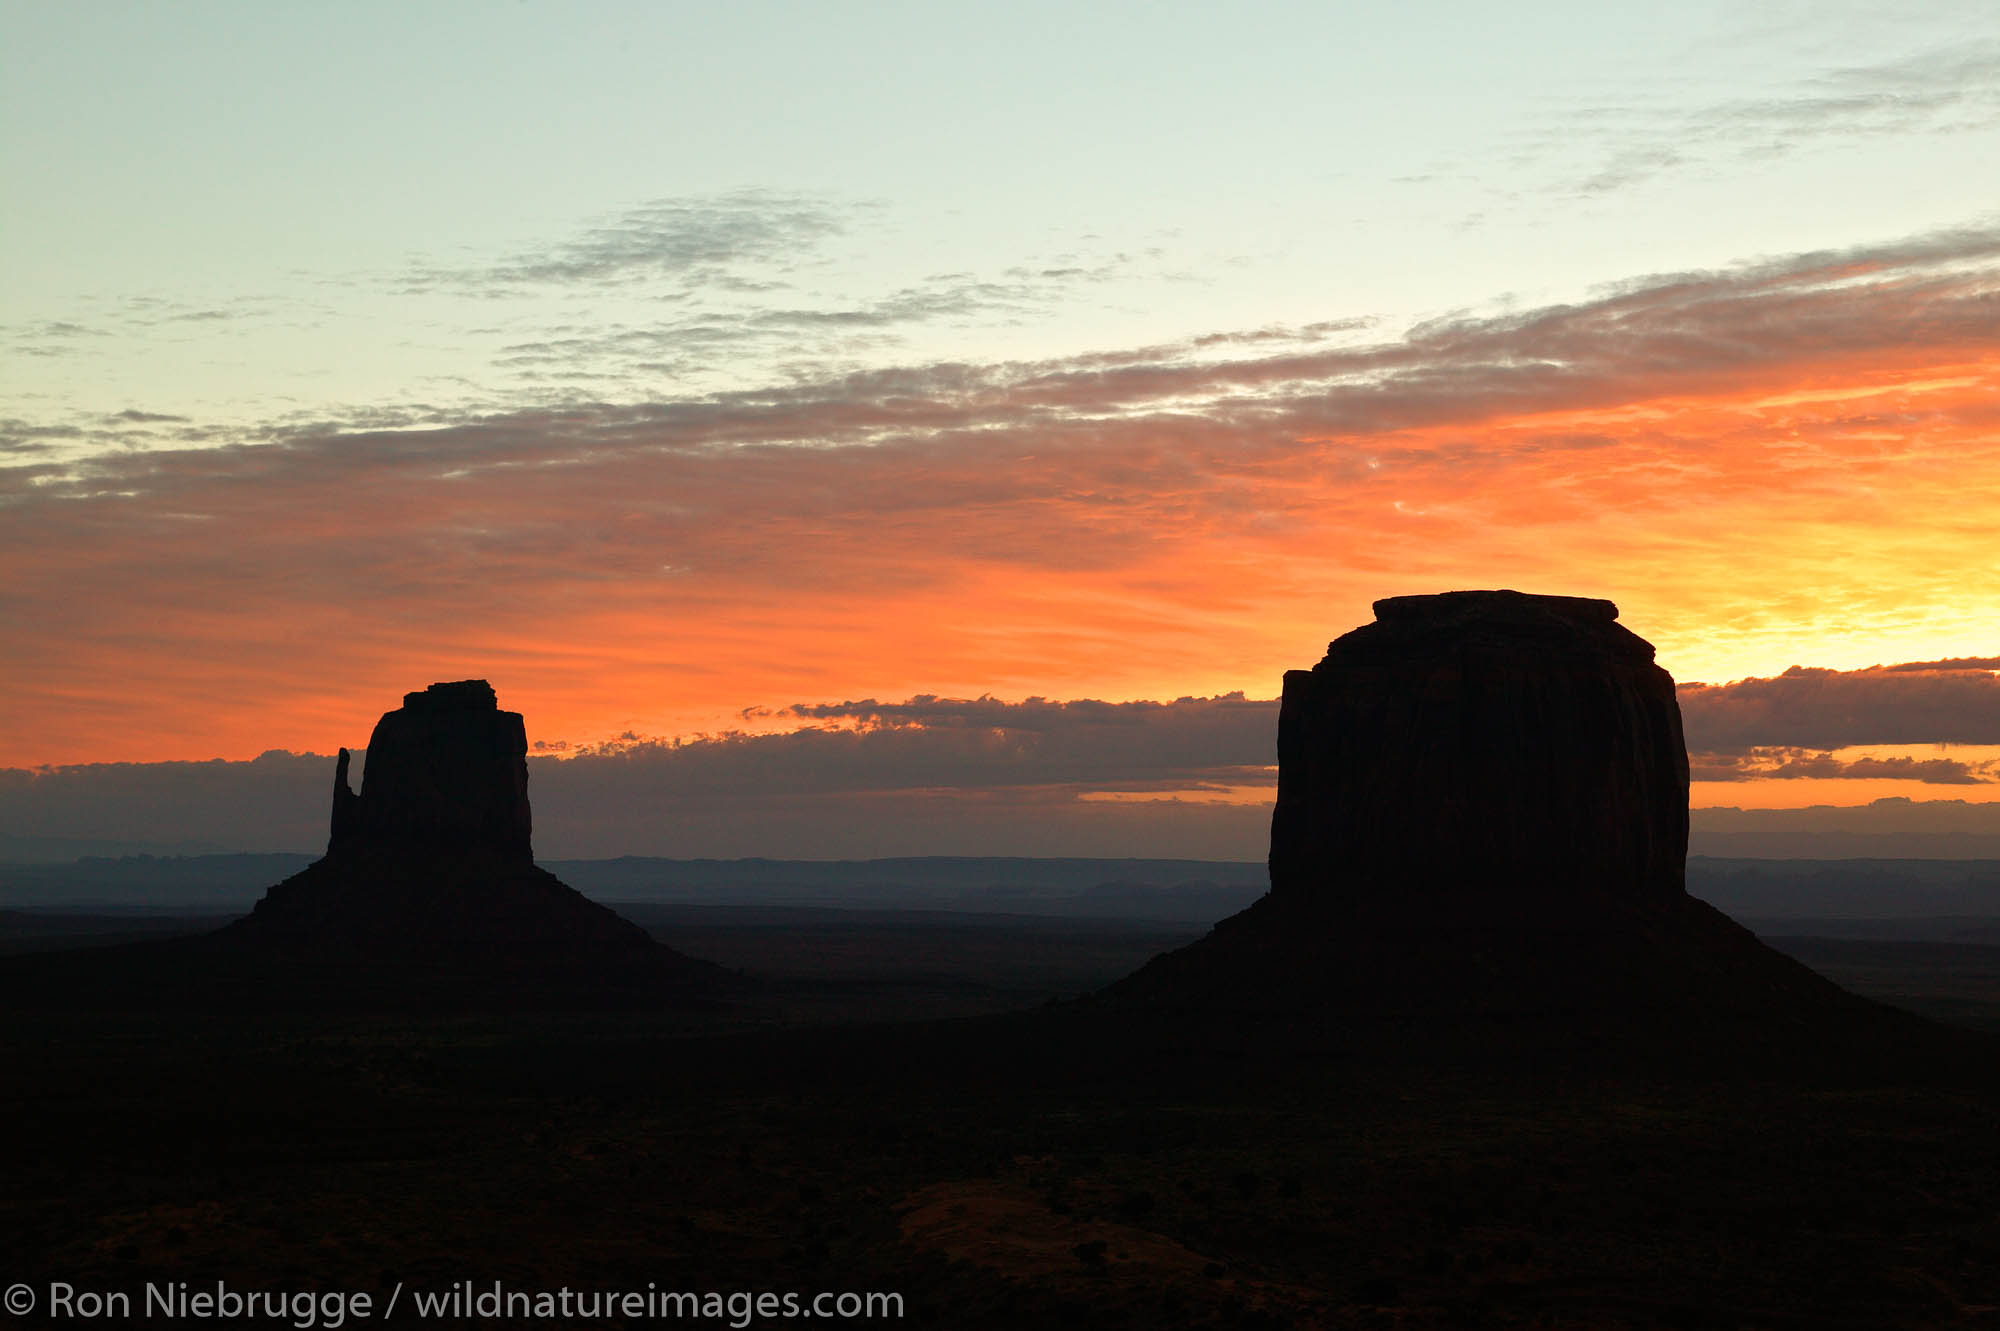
pixel 430 867
pixel 1482 815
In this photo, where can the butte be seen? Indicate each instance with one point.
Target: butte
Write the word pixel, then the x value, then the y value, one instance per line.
pixel 429 877
pixel 1481 826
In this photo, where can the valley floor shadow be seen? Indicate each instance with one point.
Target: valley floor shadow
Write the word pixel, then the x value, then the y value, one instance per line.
pixel 1066 1166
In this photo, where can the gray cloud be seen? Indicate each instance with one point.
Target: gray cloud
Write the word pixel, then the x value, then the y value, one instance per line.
pixel 276 802
pixel 62 328
pixel 1953 663
pixel 49 338
pixel 933 775
pixel 1649 336
pixel 838 494
pixel 1168 421
pixel 1944 90
pixel 1831 709
pixel 904 773
pixel 986 742
pixel 840 824
pixel 736 278
pixel 14 431
pixel 682 239
pixel 705 331
pixel 1790 764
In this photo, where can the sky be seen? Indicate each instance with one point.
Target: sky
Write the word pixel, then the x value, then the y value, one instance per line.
pixel 924 422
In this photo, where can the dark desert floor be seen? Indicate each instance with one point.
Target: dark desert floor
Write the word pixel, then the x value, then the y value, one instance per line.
pixel 1004 1171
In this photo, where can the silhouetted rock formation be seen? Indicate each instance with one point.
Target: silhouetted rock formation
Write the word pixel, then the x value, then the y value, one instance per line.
pixel 1520 743
pixel 447 771
pixel 1482 813
pixel 432 862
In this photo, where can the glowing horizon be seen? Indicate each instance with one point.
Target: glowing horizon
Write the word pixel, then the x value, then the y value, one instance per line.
pixel 1764 468
pixel 1680 309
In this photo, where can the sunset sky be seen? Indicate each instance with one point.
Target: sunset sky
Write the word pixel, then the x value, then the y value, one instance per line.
pixel 889 409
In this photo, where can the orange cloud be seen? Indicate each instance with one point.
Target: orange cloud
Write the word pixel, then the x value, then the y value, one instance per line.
pixel 1798 461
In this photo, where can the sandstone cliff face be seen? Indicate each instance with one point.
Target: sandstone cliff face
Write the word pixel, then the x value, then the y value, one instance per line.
pixel 1483 740
pixel 448 770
